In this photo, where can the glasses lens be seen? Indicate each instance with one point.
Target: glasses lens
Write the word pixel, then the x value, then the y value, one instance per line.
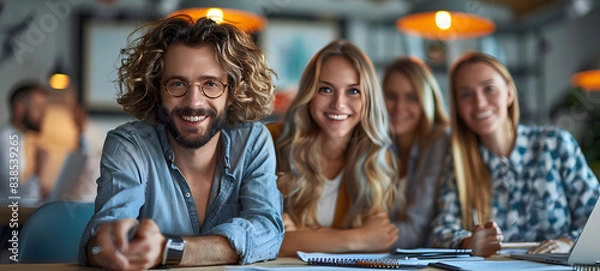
pixel 213 89
pixel 176 87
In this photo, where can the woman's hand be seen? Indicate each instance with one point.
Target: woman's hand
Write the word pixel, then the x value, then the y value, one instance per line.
pixel 485 240
pixel 559 245
pixel 376 234
pixel 288 223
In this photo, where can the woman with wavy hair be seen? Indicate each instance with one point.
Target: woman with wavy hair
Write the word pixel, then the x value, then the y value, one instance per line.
pixel 335 171
pixel 511 182
pixel 419 127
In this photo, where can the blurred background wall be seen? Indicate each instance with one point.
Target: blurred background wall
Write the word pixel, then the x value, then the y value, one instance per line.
pixel 543 42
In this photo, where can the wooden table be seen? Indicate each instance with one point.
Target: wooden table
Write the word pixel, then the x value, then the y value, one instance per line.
pixel 278 263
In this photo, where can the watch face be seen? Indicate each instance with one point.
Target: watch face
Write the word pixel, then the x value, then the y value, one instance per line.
pixel 177 245
pixel 174 251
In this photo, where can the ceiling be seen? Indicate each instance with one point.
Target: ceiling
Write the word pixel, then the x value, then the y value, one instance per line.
pixel 524 8
pixel 507 14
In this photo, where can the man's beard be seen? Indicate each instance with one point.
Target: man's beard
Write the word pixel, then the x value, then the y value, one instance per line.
pixel 217 123
pixel 31 125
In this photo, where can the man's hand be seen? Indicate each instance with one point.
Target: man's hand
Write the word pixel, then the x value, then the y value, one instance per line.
pixel 111 249
pixel 485 240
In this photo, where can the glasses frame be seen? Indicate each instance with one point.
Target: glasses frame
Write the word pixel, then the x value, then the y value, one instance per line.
pixel 189 86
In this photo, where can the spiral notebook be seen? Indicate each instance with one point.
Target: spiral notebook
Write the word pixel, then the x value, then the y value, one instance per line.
pixel 385 261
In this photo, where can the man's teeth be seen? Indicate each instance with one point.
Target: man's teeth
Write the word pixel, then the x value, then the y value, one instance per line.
pixel 337 117
pixel 484 115
pixel 193 118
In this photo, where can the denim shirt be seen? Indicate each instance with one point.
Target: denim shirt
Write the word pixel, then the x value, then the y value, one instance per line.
pixel 139 179
pixel 414 218
pixel 543 190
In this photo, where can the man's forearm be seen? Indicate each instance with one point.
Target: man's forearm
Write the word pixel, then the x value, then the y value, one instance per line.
pixel 208 250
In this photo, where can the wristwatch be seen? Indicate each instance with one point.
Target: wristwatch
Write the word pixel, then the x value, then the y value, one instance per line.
pixel 173 252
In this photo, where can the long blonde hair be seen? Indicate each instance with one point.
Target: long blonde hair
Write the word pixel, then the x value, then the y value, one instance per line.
pixel 473 179
pixel 370 169
pixel 435 120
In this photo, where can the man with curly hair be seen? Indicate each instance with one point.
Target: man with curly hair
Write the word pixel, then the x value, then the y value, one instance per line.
pixel 193 181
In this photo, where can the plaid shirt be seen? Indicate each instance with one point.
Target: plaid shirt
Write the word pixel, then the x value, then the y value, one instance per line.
pixel 543 190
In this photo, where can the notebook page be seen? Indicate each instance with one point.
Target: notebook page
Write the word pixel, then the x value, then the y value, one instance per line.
pixel 502 265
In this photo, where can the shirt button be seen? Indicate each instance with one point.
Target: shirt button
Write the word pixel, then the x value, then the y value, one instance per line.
pixel 170 157
pixel 188 195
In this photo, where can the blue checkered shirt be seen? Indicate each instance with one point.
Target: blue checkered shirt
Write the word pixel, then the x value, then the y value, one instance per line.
pixel 543 190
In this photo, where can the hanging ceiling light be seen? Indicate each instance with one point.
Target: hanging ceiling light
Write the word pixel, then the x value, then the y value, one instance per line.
pixel 245 15
pixel 589 76
pixel 445 20
pixel 59 79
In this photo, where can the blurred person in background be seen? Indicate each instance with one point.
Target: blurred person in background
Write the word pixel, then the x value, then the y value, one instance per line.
pixel 73 164
pixel 420 130
pixel 21 163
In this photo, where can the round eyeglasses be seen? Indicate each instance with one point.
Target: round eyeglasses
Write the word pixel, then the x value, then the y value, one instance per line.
pixel 210 88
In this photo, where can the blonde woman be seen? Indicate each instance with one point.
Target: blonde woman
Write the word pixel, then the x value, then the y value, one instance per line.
pixel 335 171
pixel 419 125
pixel 513 182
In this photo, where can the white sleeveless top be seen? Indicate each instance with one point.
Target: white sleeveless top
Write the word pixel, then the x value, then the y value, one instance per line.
pixel 328 200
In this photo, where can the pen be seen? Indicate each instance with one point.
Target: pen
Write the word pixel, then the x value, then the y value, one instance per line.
pixel 441 256
pixel 130 236
pixel 444 266
pixel 132 232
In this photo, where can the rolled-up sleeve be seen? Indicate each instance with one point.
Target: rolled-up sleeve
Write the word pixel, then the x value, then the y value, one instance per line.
pixel 119 186
pixel 256 234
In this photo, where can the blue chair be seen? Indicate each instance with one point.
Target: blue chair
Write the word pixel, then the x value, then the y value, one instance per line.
pixel 52 233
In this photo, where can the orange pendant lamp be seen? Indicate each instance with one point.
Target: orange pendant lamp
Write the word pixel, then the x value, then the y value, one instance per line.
pixel 59 79
pixel 245 15
pixel 589 76
pixel 445 20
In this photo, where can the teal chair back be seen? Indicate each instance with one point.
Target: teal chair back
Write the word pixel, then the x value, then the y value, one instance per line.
pixel 52 233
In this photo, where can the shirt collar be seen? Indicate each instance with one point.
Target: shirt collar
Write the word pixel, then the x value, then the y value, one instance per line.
pixel 164 143
pixel 514 161
pixel 170 155
pixel 226 148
